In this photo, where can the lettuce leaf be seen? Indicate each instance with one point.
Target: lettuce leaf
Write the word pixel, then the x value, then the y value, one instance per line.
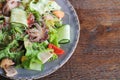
pixel 17 30
pixel 36 64
pixel 11 51
pixel 33 48
pixel 53 36
pixel 54 57
pixel 5 37
pixel 38 5
pixel 43 6
pixel 32 63
pixel 34 53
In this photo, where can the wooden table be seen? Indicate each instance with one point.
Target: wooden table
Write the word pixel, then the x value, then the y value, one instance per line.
pixel 97 56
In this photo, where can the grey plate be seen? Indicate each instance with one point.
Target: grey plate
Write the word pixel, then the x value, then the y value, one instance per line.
pixel 70 18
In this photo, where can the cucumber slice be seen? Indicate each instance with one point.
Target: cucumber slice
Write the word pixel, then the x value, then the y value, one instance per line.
pixel 18 16
pixel 44 56
pixel 63 41
pixel 35 64
pixel 64 34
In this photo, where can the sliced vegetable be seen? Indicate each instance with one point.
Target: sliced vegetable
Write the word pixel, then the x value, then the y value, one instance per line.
pixel 64 34
pixel 56 49
pixel 36 64
pixel 45 56
pixel 16 16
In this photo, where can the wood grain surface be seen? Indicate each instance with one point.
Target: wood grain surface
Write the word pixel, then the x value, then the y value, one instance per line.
pixel 97 56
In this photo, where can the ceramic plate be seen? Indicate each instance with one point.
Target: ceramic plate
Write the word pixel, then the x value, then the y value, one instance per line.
pixel 50 67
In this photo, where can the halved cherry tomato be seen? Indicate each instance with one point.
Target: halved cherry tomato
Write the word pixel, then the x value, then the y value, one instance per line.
pixel 56 49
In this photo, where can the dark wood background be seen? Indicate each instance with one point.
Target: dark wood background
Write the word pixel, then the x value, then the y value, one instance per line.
pixel 97 56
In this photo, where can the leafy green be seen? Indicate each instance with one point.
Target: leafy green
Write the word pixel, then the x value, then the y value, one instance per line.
pixel 36 64
pixel 37 15
pixel 18 30
pixel 54 57
pixel 58 24
pixel 9 40
pixel 5 37
pixel 38 5
pixel 54 39
pixel 53 24
pixel 53 36
pixel 36 54
pixel 34 48
pixel 12 51
pixel 32 51
pixel 26 62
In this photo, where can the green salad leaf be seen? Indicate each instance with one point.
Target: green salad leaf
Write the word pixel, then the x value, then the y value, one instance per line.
pixel 12 51
pixel 38 5
pixel 36 64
